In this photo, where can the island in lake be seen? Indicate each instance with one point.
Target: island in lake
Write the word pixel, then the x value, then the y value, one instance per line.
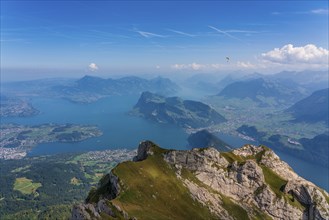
pixel 17 140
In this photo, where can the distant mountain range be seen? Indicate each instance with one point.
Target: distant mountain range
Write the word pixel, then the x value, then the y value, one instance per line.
pixel 256 89
pixel 90 88
pixel 130 84
pixel 204 138
pixel 174 110
pixel 308 81
pixel 311 80
pixel 313 108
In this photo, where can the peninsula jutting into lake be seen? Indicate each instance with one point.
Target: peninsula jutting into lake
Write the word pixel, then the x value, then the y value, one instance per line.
pixel 17 140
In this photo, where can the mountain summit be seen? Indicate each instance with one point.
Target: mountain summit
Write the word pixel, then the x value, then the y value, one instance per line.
pixel 246 183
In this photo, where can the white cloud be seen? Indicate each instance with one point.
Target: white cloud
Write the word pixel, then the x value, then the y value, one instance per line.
pixel 213 66
pixel 196 66
pixel 178 66
pixel 193 66
pixel 203 66
pixel 217 66
pixel 245 65
pixel 286 58
pixel 320 11
pixel 93 67
pixel 157 67
pixel 288 54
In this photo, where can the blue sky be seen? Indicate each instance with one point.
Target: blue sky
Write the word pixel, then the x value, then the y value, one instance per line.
pixel 109 37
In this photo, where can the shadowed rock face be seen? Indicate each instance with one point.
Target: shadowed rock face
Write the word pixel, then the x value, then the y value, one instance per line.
pixel 144 150
pixel 247 183
pixel 204 138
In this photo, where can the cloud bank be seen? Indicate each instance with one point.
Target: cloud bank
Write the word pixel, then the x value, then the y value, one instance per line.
pixel 288 54
pixel 193 66
pixel 288 57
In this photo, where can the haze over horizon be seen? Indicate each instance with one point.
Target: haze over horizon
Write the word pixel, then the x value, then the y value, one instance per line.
pixel 72 39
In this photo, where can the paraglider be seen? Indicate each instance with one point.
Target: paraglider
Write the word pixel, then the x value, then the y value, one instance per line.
pixel 227 59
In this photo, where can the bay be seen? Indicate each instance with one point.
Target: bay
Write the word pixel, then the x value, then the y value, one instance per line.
pixel 120 130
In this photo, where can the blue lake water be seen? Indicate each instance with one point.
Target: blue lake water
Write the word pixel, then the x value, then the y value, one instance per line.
pixel 121 130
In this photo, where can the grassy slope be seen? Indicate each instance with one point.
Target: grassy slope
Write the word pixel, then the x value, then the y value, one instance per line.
pixel 152 191
pixel 30 207
pixel 26 186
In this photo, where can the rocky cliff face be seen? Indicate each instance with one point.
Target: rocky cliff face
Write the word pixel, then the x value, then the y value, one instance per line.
pixel 246 183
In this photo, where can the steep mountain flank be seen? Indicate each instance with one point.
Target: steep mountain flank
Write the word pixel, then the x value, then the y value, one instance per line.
pixel 313 108
pixel 258 89
pixel 246 183
pixel 173 110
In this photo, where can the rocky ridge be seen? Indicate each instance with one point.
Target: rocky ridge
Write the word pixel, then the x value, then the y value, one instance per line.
pixel 247 183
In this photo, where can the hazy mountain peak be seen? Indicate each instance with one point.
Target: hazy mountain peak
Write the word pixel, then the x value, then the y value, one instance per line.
pixel 258 88
pixel 313 108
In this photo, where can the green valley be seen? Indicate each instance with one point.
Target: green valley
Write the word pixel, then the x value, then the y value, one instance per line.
pixel 46 186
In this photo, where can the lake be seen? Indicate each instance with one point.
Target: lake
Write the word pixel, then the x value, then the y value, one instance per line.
pixel 121 130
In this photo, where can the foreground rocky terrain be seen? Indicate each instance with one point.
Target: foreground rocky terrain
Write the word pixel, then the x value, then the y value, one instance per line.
pixel 247 183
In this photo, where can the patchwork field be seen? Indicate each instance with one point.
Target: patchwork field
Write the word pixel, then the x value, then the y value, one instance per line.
pixel 46 186
pixel 26 186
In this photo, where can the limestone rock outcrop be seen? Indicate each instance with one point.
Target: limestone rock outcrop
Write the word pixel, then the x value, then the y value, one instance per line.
pixel 249 182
